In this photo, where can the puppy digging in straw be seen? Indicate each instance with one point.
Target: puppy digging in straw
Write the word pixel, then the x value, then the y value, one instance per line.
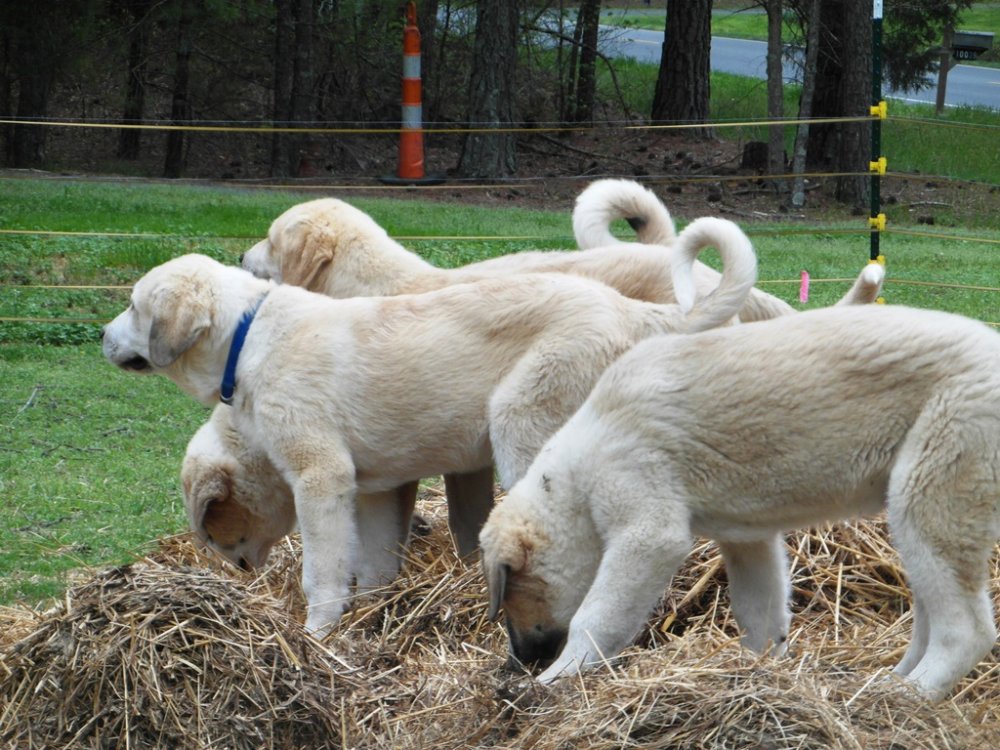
pixel 352 400
pixel 739 434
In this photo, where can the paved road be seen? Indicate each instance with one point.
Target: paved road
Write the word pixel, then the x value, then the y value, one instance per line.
pixel 967 84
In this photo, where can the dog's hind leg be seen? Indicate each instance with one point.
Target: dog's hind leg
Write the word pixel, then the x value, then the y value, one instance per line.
pixel 918 638
pixel 959 633
pixel 383 528
pixel 470 500
pixel 759 589
pixel 943 515
pixel 537 398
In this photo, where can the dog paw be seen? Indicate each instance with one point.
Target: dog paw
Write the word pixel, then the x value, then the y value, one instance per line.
pixel 319 624
pixel 561 667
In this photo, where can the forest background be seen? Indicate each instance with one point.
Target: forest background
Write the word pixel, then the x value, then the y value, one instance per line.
pixel 498 76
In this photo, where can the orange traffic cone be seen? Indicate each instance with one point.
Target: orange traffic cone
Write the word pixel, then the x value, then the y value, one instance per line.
pixel 411 137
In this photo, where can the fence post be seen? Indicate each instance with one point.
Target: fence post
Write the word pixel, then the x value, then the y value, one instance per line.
pixel 411 138
pixel 877 166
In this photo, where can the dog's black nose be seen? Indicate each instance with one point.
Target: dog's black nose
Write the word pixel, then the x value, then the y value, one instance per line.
pixel 538 647
pixel 241 259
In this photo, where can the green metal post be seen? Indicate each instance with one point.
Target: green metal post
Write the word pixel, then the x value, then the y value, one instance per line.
pixel 876 177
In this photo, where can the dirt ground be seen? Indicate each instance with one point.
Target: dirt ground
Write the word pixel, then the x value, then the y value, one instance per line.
pixel 694 178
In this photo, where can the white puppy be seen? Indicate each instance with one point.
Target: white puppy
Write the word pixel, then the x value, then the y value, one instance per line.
pixel 363 396
pixel 331 247
pixel 240 505
pixel 739 434
pixel 233 494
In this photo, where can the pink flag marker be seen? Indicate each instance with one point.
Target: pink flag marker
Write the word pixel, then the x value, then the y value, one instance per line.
pixel 804 287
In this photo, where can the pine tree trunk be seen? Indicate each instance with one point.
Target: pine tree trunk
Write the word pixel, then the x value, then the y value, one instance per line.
pixel 302 82
pixel 491 96
pixel 427 14
pixel 35 70
pixel 281 113
pixel 855 145
pixel 806 103
pixel 775 89
pixel 180 110
pixel 129 139
pixel 682 85
pixel 6 95
pixel 589 21
pixel 843 88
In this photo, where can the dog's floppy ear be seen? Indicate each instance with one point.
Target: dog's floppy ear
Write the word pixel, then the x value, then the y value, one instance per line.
pixel 496 584
pixel 505 551
pixel 207 493
pixel 179 318
pixel 307 249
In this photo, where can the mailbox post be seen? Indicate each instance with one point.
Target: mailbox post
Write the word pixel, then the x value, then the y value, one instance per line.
pixel 968 45
pixel 956 46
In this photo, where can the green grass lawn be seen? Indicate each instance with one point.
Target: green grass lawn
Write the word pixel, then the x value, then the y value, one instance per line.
pixel 89 456
pixel 745 20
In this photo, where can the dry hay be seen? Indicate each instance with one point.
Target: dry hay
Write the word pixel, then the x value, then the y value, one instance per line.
pixel 149 655
pixel 180 651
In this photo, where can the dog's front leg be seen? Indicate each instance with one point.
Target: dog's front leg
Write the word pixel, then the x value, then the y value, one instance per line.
pixel 634 572
pixel 324 504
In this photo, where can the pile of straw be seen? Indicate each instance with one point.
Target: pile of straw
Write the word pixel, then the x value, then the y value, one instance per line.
pixel 147 655
pixel 179 651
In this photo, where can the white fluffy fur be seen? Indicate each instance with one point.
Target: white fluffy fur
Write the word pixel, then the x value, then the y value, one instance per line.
pixel 331 247
pixel 360 397
pixel 739 434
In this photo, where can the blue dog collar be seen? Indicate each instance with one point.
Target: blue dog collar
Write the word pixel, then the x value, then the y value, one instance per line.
pixel 228 386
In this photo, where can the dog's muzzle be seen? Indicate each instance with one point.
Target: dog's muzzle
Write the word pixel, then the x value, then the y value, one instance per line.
pixel 136 364
pixel 538 648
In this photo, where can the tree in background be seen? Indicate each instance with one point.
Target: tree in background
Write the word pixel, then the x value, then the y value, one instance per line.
pixel 584 77
pixel 6 90
pixel 843 89
pixel 913 32
pixel 281 109
pixel 427 15
pixel 288 61
pixel 491 92
pixel 180 108
pixel 775 87
pixel 41 39
pixel 811 23
pixel 294 98
pixel 137 21
pixel 682 85
pixel 841 75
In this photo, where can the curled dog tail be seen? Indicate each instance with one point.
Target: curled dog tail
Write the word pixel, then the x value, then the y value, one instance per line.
pixel 866 287
pixel 739 272
pixel 605 201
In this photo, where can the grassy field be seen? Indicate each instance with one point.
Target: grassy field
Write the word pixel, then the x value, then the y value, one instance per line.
pixel 744 20
pixel 961 143
pixel 89 456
